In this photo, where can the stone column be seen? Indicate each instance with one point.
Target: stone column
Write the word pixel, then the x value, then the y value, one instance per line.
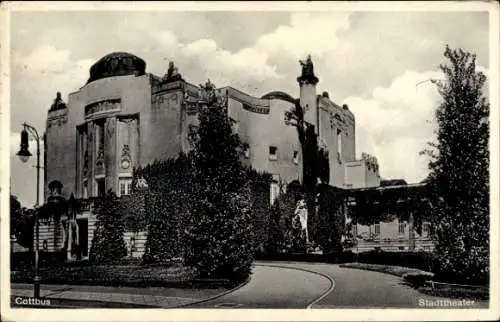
pixel 91 154
pixel 110 154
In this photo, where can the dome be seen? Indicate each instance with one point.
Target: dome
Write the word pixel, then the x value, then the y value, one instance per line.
pixel 279 95
pixel 117 64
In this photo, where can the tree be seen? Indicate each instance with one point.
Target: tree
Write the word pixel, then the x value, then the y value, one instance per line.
pixel 219 237
pixel 108 245
pixel 21 223
pixel 459 163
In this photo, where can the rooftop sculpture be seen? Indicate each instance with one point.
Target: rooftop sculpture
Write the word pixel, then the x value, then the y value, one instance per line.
pixel 58 103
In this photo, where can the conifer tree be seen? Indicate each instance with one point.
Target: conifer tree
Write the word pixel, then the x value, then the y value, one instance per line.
pixel 108 244
pixel 460 170
pixel 219 234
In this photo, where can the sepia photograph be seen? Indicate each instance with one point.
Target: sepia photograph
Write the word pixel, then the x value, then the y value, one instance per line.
pixel 212 159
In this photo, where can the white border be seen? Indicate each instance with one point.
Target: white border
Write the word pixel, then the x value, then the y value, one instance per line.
pixel 243 314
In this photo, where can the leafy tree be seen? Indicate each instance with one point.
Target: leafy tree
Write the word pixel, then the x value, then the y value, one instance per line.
pixel 459 170
pixel 21 223
pixel 108 244
pixel 219 233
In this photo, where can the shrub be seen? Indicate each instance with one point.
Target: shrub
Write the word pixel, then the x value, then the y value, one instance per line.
pixel 26 260
pixel 280 225
pixel 162 242
pixel 332 258
pixel 108 244
pixel 220 237
pixel 331 219
pixel 420 260
pixel 418 279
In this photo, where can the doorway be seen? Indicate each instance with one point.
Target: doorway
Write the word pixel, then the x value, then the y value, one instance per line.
pixel 83 236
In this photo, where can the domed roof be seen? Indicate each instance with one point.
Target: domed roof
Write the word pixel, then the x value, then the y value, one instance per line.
pixel 279 95
pixel 117 64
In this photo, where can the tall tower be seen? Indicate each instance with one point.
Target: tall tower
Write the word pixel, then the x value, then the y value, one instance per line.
pixel 307 82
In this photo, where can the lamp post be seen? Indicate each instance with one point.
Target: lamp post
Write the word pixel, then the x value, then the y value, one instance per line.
pixel 24 155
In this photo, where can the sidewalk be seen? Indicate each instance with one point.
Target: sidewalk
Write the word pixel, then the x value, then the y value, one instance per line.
pixel 144 297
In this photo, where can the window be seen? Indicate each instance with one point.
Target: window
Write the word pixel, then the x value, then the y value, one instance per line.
pixel 273 153
pixel 125 186
pixel 377 229
pixel 401 227
pixel 296 157
pixel 101 187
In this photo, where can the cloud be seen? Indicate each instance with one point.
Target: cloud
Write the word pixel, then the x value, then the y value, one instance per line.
pixel 396 122
pixel 37 76
pixel 369 60
pixel 307 33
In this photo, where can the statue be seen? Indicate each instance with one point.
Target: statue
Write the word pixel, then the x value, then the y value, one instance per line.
pixel 300 216
pixel 307 67
pixel 141 184
pixel 307 72
pixel 172 74
pixel 58 103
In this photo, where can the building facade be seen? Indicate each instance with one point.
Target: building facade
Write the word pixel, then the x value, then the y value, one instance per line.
pixel 125 117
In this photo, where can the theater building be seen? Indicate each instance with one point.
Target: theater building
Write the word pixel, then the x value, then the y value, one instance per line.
pixel 124 117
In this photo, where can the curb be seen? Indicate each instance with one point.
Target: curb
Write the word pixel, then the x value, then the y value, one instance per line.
pixel 215 296
pixel 330 289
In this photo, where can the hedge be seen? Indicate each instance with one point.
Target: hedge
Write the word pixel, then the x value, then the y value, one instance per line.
pixel 110 275
pixel 332 258
pixel 419 260
pixel 26 260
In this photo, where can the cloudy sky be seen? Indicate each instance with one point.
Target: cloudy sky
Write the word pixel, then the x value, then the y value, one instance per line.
pixel 371 61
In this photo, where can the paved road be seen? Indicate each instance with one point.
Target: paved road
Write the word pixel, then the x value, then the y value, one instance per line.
pixel 278 285
pixel 272 287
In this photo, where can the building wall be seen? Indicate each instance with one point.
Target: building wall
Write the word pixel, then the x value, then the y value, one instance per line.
pixel 336 130
pixel 60 150
pixel 390 238
pixel 161 124
pixel 359 174
pixel 131 95
pixel 260 124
